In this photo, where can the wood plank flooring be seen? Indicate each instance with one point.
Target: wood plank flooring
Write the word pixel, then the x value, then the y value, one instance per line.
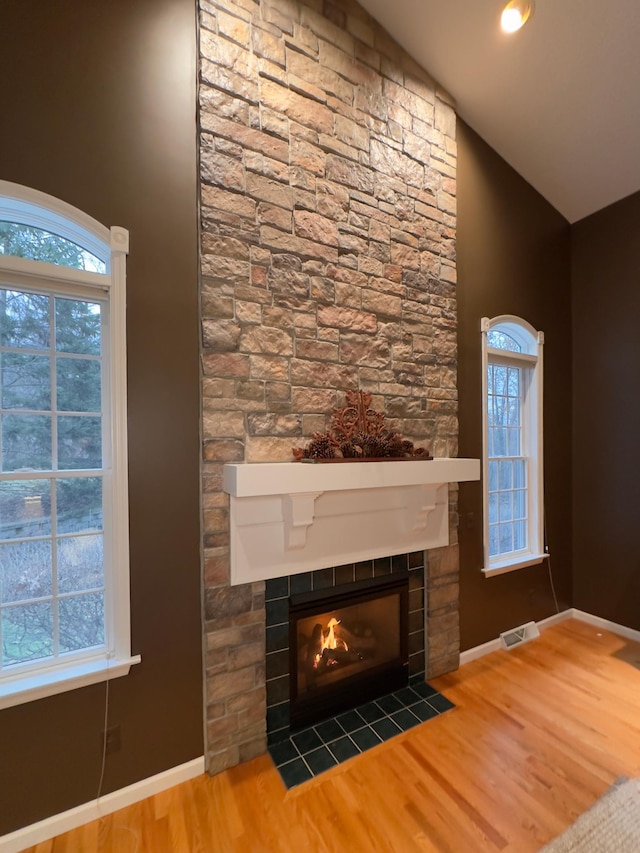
pixel 538 734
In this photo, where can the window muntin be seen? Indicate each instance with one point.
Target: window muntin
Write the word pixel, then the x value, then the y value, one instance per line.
pixel 512 419
pixel 64 561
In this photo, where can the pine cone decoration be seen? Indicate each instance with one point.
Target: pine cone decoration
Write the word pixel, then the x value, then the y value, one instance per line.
pixel 393 444
pixel 320 447
pixel 373 447
pixel 358 432
pixel 422 453
pixel 348 450
pixel 359 443
pixel 365 445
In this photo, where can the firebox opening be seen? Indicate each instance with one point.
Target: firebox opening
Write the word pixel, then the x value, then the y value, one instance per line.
pixel 348 645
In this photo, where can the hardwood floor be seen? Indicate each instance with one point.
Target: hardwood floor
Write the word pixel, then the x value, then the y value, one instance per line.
pixel 537 735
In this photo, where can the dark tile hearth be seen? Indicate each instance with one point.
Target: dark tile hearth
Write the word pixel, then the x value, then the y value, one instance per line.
pixel 309 752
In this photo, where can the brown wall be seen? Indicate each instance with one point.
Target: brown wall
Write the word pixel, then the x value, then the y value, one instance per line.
pixel 513 258
pixel 606 405
pixel 98 109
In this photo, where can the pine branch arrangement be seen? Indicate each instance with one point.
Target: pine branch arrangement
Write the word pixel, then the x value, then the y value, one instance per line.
pixel 358 432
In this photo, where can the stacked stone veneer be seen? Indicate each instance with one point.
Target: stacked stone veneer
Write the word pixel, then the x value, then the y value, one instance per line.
pixel 327 165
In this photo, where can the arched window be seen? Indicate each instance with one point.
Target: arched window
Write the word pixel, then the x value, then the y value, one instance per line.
pixel 64 556
pixel 512 433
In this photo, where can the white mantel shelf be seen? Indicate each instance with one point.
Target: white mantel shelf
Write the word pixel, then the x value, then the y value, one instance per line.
pixel 292 517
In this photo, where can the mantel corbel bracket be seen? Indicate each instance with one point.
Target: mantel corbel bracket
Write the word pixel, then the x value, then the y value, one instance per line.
pixel 298 513
pixel 420 507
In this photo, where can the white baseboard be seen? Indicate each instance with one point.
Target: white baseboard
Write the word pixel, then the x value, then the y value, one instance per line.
pixel 496 645
pixel 598 622
pixel 556 618
pixel 570 613
pixel 31 835
pixel 480 651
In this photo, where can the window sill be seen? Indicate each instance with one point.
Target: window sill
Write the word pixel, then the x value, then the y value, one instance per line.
pixel 513 565
pixel 34 686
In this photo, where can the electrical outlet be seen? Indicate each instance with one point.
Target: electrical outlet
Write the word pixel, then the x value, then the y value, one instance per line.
pixel 112 742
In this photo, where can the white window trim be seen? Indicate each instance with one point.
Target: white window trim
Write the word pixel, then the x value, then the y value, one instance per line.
pixel 38 684
pixel 31 207
pixel 536 551
pixel 39 210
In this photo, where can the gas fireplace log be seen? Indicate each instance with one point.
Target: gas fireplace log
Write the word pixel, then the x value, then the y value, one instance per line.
pixel 314 648
pixel 310 646
pixel 358 641
pixel 339 656
pixel 335 660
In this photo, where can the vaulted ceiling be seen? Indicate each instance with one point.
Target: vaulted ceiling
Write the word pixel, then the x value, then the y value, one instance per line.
pixel 559 100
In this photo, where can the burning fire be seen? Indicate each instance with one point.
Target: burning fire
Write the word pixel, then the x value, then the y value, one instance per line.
pixel 328 640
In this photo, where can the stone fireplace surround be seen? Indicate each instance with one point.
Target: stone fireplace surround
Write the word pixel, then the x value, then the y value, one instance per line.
pixel 328 224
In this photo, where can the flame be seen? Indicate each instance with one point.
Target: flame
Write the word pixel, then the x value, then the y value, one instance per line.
pixel 329 640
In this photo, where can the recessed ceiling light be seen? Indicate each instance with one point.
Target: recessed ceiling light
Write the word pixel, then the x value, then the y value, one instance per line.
pixel 515 15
